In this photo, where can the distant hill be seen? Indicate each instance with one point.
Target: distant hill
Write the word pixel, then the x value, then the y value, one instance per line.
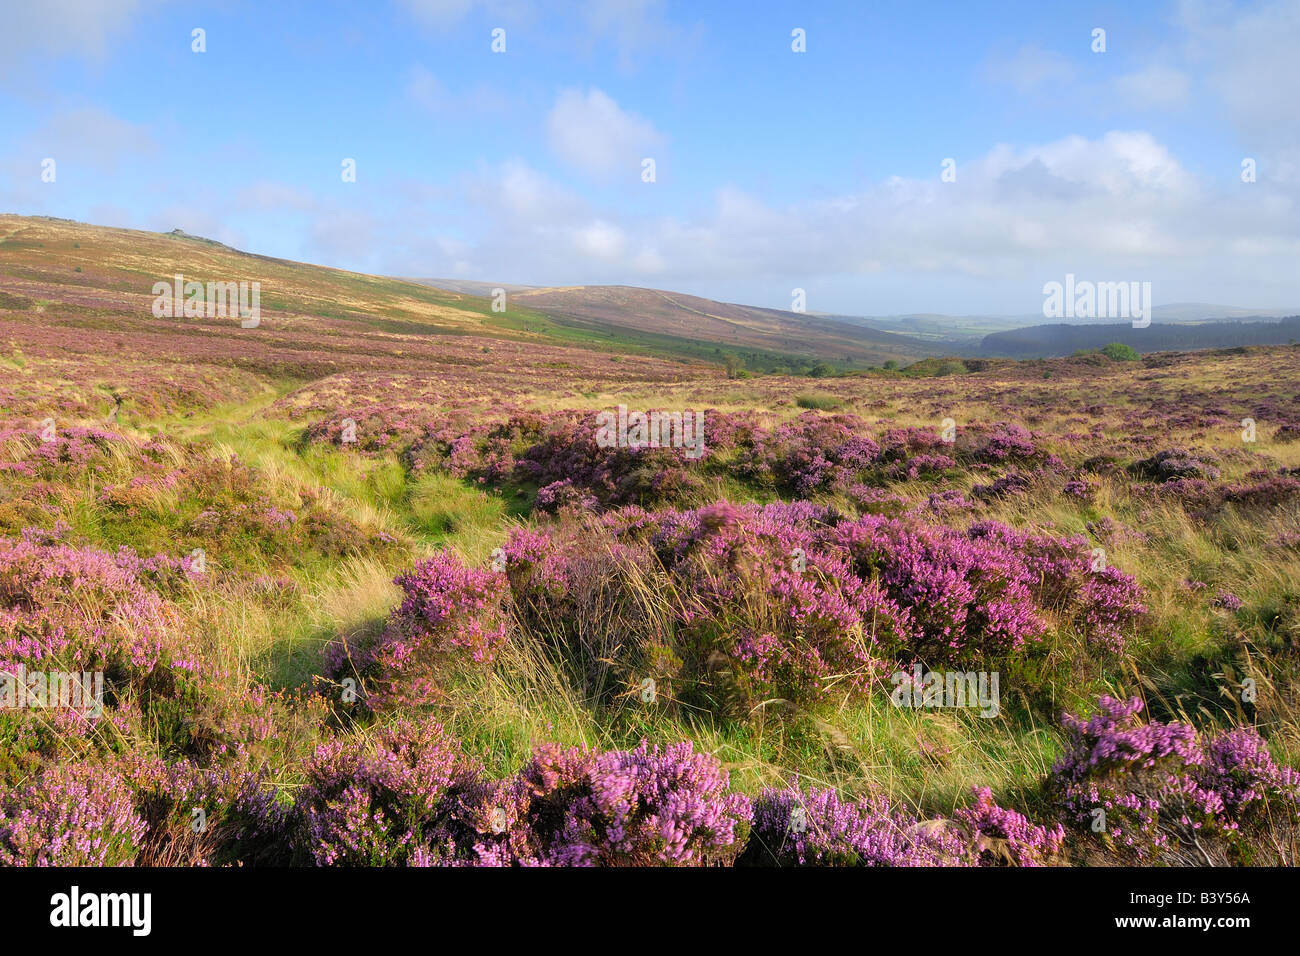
pixel 764 339
pixel 1049 341
pixel 470 286
pixel 965 330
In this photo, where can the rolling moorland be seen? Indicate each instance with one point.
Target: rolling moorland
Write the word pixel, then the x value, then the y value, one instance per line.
pixel 365 589
pixel 1043 341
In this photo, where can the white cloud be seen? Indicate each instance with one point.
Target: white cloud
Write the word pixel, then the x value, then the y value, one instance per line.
pixel 428 92
pixel 1118 206
pixel 426 89
pixel 591 133
pixel 439 13
pixel 601 240
pixel 1154 86
pixel 84 28
pixel 635 28
pixel 1031 69
pixel 266 195
pixel 344 235
pixel 87 138
pixel 1249 59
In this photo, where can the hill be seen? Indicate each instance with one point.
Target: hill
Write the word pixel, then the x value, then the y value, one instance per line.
pixel 77 273
pixel 765 339
pixel 1045 341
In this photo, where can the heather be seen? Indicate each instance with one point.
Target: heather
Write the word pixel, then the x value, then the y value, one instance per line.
pixel 1164 790
pixel 449 611
pixel 408 797
pixel 820 827
pixel 802 602
pixel 70 816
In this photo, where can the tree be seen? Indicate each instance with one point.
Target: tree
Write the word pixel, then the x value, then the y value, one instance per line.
pixel 1119 352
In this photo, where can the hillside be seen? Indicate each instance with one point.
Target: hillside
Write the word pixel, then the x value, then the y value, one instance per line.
pixel 1045 341
pixel 112 271
pixel 74 273
pixel 766 338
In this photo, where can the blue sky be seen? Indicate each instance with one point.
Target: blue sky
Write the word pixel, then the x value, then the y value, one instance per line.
pixel 774 169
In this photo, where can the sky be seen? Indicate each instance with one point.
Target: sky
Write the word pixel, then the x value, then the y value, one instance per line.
pixel 945 157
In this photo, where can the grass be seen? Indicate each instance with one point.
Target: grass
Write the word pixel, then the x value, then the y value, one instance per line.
pixel 824 403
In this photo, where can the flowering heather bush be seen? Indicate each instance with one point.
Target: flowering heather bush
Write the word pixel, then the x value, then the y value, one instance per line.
pixel 1080 489
pixel 968 599
pixel 71 452
pixel 1102 604
pixel 79 607
pixel 1172 464
pixel 820 828
pixel 467 448
pixel 669 807
pixel 1204 499
pixel 812 453
pixel 1162 787
pixel 244 821
pixel 943 502
pixel 868 499
pixel 1003 835
pixel 900 444
pixel 375 428
pixel 1228 601
pixel 1140 775
pixel 1008 486
pixel 1004 442
pixel 1267 494
pixel 567 452
pixel 448 610
pixel 72 815
pixel 800 602
pixel 376 802
pixel 982 593
pixel 792 619
pixel 409 797
pixel 919 466
pixel 1240 769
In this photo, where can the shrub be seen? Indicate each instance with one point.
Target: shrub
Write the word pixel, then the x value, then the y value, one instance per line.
pixel 448 612
pixel 1166 793
pixel 1174 464
pixel 641 807
pixel 381 801
pixel 813 453
pixel 820 828
pixel 823 403
pixel 81 608
pixel 71 815
pixel 1005 836
pixel 1119 352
